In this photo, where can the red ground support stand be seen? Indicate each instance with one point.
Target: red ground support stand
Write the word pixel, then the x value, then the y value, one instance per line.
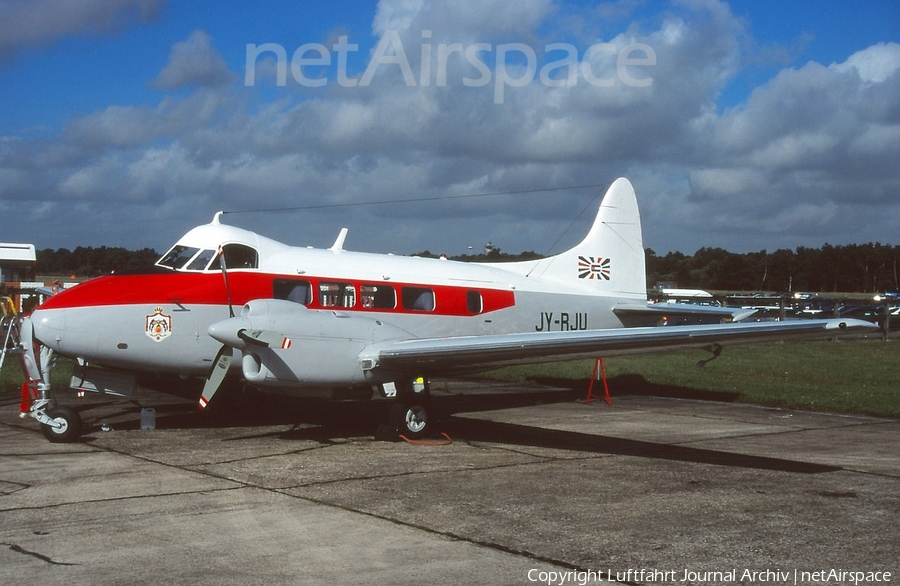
pixel 598 366
pixel 29 394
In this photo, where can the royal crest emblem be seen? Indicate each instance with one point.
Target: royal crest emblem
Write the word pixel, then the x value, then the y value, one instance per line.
pixel 590 267
pixel 158 325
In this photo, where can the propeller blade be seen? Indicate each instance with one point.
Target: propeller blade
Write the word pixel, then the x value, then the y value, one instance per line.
pixel 216 375
pixel 266 338
pixel 225 276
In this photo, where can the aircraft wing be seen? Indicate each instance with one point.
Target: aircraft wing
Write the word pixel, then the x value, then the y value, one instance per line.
pixel 445 356
pixel 285 344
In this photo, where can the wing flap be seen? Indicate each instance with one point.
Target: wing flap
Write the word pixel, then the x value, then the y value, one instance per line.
pixel 445 356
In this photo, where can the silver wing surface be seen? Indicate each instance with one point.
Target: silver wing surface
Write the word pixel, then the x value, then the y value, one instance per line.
pixel 286 344
pixel 453 355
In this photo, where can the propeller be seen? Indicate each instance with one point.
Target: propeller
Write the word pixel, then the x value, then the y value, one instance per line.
pixel 233 336
pixel 265 338
pixel 221 255
pixel 216 375
pixel 225 354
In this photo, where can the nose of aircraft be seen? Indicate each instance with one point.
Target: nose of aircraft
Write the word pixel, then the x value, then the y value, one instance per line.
pixel 49 325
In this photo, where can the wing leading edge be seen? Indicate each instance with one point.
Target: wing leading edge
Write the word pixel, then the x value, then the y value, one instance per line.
pixel 446 356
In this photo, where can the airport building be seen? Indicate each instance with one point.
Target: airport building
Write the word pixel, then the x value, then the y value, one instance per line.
pixel 17 274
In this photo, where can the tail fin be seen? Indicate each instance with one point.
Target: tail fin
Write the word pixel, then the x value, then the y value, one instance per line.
pixel 610 259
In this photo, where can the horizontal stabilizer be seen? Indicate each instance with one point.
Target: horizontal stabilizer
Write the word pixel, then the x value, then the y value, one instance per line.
pixel 652 314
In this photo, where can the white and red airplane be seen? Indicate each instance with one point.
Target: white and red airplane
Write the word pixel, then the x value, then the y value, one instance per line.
pixel 330 320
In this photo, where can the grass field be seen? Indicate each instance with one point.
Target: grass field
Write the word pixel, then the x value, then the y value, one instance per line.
pixel 11 376
pixel 847 376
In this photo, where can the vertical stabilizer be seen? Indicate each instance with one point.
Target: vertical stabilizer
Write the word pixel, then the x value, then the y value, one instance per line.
pixel 610 259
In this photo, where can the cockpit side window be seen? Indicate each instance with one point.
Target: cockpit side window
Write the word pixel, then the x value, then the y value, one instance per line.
pixel 177 256
pixel 240 256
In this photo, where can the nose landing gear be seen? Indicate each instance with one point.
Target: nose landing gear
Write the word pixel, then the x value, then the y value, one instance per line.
pixel 60 424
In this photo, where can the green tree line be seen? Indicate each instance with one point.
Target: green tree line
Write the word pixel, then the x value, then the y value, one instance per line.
pixel 87 261
pixel 853 268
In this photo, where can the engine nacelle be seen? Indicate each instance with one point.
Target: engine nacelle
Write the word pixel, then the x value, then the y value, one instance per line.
pixel 320 348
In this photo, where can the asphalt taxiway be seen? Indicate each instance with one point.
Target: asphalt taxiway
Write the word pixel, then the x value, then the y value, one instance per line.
pixel 534 487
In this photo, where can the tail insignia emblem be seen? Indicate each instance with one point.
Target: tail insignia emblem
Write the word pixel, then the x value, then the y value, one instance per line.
pixel 590 267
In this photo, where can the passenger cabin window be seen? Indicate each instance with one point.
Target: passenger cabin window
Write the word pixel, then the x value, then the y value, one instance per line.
pixel 240 256
pixel 377 297
pixel 296 290
pixel 417 298
pixel 474 303
pixel 337 295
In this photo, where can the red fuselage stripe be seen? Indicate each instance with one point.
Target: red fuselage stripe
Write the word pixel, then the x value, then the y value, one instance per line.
pixel 209 289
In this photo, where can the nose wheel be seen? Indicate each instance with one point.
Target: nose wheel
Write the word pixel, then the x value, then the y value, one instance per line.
pixel 62 425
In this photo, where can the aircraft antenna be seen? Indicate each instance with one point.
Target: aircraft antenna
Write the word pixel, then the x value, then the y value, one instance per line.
pixel 575 221
pixel 411 200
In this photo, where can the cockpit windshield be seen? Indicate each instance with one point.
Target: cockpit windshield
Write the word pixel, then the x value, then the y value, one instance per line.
pixel 177 256
pixel 201 261
pixel 188 258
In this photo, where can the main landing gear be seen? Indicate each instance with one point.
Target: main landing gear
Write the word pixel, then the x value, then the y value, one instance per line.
pixel 411 420
pixel 412 414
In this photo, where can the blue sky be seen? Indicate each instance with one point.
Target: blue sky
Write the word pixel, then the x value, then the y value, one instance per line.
pixel 763 124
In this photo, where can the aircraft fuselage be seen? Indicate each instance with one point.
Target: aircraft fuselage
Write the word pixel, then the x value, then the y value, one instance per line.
pixel 158 321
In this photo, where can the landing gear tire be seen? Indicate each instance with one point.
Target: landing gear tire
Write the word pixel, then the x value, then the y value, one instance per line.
pixel 69 425
pixel 412 421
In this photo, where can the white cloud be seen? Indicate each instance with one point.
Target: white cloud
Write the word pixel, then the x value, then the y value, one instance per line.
pixel 25 23
pixel 804 158
pixel 93 181
pixel 193 62
pixel 395 15
pixel 874 64
pixel 460 21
